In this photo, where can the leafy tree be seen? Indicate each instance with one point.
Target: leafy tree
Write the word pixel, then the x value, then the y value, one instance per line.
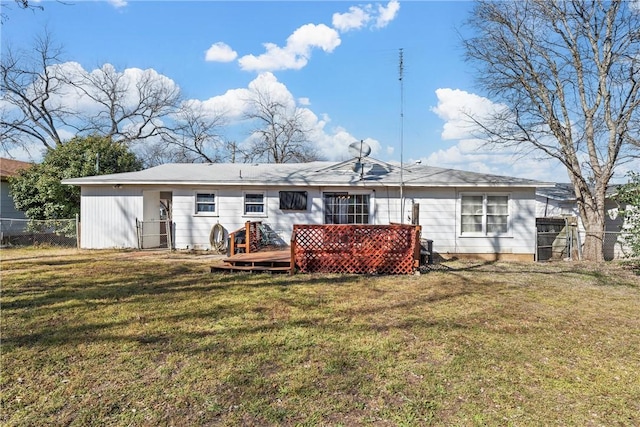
pixel 568 75
pixel 38 192
pixel 628 196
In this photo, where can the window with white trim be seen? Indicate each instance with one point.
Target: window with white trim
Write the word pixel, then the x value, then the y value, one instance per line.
pixel 484 214
pixel 254 204
pixel 205 203
pixel 344 208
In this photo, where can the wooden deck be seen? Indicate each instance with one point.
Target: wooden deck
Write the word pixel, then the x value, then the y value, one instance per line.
pixel 256 262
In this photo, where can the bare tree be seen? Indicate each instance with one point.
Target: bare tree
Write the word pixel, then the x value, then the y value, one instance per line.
pixel 279 134
pixel 31 90
pixel 569 74
pixel 197 135
pixel 21 4
pixel 44 99
pixel 130 107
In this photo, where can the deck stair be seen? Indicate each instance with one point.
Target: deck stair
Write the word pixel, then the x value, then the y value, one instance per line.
pixel 256 262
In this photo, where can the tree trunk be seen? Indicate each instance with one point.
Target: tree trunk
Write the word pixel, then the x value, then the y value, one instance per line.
pixel 593 249
pixel 592 211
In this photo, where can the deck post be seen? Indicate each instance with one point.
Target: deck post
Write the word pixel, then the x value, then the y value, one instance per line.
pixel 292 270
pixel 416 248
pixel 247 236
pixel 232 243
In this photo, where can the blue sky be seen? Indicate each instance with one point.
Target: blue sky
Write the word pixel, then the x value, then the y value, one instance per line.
pixel 338 59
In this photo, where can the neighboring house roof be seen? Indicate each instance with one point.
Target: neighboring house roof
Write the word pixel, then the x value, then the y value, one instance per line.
pixel 563 192
pixel 10 167
pixel 370 172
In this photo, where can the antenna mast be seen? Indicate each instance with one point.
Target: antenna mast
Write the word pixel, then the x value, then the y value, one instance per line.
pixel 401 70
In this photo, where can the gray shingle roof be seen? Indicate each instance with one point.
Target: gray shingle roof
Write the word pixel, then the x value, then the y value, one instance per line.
pixel 372 172
pixel 563 191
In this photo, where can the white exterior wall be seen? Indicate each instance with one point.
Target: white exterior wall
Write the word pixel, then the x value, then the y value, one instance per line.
pixel 546 207
pixel 108 217
pixel 193 230
pixel 440 221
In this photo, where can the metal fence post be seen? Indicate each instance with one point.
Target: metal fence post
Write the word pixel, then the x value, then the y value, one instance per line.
pixel 77 231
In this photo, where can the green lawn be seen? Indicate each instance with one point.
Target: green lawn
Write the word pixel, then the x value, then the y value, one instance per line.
pixel 131 338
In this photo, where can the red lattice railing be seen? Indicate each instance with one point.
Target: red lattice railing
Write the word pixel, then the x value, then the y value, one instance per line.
pixel 359 249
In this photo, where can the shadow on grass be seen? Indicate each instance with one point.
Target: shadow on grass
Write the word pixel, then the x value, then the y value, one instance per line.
pixel 604 274
pixel 136 285
pixel 167 331
pixel 111 289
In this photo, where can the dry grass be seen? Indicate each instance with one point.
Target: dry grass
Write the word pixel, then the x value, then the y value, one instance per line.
pixel 130 338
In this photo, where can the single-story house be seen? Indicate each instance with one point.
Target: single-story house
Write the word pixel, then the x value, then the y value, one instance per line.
pixel 559 202
pixel 13 220
pixel 465 214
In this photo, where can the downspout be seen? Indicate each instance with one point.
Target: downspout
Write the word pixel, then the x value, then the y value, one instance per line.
pixel 455 221
pixel 546 205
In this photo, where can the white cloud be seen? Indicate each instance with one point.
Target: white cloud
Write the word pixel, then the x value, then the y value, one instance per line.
pixel 220 52
pixel 297 51
pixel 331 143
pixel 354 19
pixel 118 3
pixel 301 43
pixel 471 155
pixel 456 106
pixel 91 102
pixel 231 104
pixel 359 17
pixel 387 14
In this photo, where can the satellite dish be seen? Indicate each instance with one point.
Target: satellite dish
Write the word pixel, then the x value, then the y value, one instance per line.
pixel 359 149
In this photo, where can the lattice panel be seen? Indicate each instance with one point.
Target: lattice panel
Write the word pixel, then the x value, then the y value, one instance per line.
pixel 359 249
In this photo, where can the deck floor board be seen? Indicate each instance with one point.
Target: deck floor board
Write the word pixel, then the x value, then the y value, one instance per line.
pixel 263 261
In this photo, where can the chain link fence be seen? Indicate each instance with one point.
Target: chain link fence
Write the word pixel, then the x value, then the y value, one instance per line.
pixel 565 243
pixel 615 246
pixel 28 232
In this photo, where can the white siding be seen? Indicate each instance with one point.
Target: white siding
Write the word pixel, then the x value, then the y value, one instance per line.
pixel 438 217
pixel 108 217
pixel 546 207
pixel 440 221
pixel 193 230
pixel 109 214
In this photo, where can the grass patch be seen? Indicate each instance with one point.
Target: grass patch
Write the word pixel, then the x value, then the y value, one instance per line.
pixel 138 338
